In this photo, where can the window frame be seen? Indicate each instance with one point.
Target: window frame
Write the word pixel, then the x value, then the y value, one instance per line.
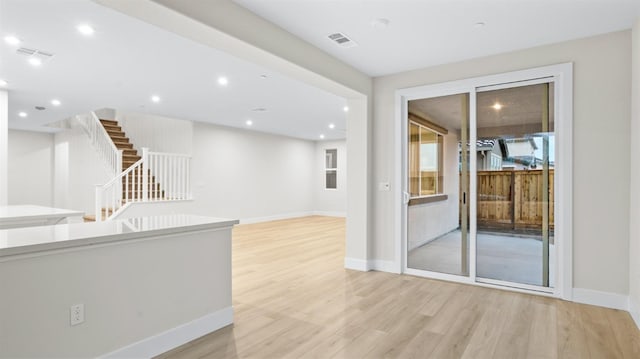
pixel 440 173
pixel 328 169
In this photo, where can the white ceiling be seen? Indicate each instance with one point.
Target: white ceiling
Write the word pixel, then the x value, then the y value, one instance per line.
pixel 521 106
pixel 431 32
pixel 127 61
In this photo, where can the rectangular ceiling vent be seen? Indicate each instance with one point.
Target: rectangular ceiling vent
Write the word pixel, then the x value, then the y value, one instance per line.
pixel 342 40
pixel 43 56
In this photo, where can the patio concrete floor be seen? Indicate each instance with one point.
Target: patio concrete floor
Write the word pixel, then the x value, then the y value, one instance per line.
pixel 503 257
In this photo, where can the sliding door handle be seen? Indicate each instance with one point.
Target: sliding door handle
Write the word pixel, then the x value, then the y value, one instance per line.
pixel 405 197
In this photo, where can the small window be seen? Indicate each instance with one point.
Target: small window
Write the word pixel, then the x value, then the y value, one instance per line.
pixel 331 169
pixel 425 161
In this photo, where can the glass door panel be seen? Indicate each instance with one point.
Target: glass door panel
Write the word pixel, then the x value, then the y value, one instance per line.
pixel 438 180
pixel 515 174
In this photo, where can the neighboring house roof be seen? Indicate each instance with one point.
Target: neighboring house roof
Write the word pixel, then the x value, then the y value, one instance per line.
pixel 483 144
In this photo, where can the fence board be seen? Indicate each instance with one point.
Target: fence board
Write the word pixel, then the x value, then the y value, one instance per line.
pixel 513 199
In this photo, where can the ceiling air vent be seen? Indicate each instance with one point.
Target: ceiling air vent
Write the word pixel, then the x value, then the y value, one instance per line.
pixel 43 56
pixel 342 40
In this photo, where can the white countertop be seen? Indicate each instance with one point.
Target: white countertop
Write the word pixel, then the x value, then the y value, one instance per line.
pixel 22 212
pixel 18 241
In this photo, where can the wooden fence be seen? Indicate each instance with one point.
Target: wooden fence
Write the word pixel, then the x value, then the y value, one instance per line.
pixel 513 199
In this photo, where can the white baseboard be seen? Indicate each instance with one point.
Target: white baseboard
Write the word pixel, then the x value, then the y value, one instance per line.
pixel 356 264
pixel 383 266
pixel 275 217
pixel 635 312
pixel 602 299
pixel 173 338
pixel 329 214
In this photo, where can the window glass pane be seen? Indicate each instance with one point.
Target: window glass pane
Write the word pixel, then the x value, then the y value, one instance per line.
pixel 414 170
pixel 428 162
pixel 331 180
pixel 331 160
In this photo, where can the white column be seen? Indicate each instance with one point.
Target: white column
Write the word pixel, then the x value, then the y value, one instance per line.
pixel 634 190
pixel 358 180
pixel 4 148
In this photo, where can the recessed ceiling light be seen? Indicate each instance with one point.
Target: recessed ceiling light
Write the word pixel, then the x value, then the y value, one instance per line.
pixel 321 137
pixel 223 81
pixel 22 114
pixel 155 98
pixel 249 122
pixel 497 106
pixel 55 102
pixel 3 83
pixel 85 29
pixel 332 126
pixel 12 40
pixel 380 23
pixel 479 25
pixel 345 109
pixel 34 61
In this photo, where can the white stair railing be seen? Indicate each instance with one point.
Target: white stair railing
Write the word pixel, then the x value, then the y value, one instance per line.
pixel 155 177
pixel 172 171
pixel 101 141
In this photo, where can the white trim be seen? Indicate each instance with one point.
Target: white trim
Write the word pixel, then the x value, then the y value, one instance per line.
pixel 330 213
pixel 466 280
pixel 472 205
pixel 562 75
pixel 601 299
pixel 275 217
pixel 356 264
pixel 383 266
pixel 634 312
pixel 175 337
pixel 541 80
pixel 564 178
pixel 400 209
pixel 534 288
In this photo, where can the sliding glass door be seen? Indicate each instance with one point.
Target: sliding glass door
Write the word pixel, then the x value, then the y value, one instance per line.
pixel 438 182
pixel 515 175
pixel 479 171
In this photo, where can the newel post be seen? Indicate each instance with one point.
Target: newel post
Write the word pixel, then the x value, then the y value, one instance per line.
pixel 145 174
pixel 98 208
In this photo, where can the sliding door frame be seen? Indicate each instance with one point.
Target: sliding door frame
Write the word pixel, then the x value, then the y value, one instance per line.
pixel 562 77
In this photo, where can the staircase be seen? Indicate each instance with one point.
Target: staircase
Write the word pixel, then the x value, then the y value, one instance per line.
pixel 120 139
pixel 145 177
pixel 129 158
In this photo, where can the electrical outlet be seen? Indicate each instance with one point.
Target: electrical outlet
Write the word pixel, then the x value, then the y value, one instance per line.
pixel 77 314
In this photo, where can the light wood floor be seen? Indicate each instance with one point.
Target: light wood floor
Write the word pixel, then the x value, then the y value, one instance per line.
pixel 293 299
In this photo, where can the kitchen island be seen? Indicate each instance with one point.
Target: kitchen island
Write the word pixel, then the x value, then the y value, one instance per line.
pixel 15 216
pixel 143 285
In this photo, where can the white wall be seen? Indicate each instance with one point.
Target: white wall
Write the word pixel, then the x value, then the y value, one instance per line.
pixel 250 175
pixel 30 167
pixel 431 220
pixel 4 126
pixel 634 195
pixel 77 169
pixel 159 134
pixel 331 202
pixel 601 120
